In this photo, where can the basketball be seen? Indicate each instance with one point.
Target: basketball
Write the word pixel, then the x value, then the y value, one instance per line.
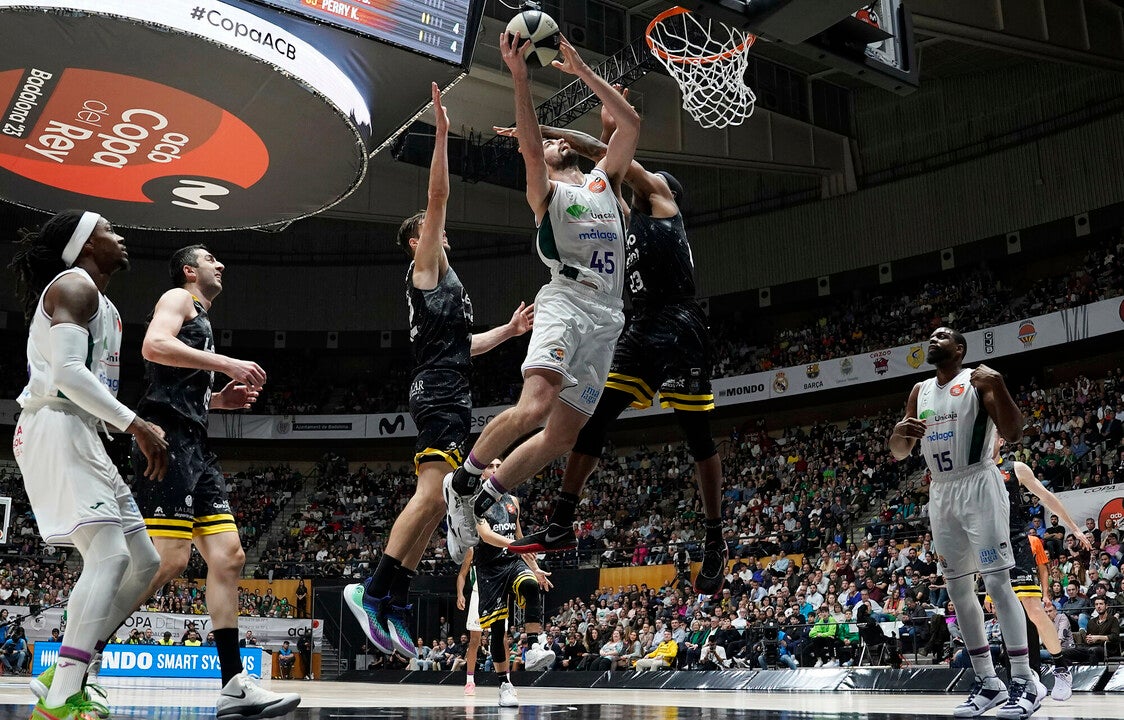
pixel 543 33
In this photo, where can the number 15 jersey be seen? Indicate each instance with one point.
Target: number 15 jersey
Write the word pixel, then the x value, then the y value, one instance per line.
pixel 581 237
pixel 958 431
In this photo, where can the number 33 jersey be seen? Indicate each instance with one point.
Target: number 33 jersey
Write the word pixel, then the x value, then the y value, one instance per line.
pixel 958 431
pixel 582 235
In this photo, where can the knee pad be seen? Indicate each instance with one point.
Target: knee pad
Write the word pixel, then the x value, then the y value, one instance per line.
pixel 529 596
pixel 497 644
pixel 696 430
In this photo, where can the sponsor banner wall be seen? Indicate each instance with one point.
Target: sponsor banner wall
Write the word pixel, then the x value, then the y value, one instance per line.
pixel 270 632
pixel 1057 328
pixel 154 661
pixel 1104 504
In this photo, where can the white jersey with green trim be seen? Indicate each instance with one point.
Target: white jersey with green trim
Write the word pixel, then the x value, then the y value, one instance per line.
pixel 103 353
pixel 958 431
pixel 582 235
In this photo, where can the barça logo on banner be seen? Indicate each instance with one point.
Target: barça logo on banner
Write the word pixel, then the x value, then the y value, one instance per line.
pixel 916 356
pixel 1027 333
pixel 780 383
pixel 812 370
pixel 846 366
pixel 881 365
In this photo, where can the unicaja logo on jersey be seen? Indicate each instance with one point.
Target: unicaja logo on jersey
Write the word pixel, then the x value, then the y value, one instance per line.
pixel 576 211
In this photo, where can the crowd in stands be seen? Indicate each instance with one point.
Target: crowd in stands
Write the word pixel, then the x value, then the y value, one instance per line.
pixel 754 340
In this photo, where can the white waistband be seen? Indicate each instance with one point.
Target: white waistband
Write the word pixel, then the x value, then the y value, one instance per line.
pixel 966 471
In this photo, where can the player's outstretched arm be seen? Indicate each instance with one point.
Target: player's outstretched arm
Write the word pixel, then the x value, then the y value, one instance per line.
pixel 622 145
pixel 1050 501
pixel 909 430
pixel 163 347
pixel 430 262
pixel 522 320
pixel 527 125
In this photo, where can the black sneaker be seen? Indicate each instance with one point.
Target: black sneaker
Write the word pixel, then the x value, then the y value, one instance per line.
pixel 712 574
pixel 555 538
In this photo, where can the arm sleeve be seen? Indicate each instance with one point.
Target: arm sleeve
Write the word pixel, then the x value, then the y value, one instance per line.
pixel 69 345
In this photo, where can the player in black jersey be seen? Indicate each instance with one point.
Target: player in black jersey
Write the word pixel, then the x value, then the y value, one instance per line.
pixel 190 505
pixel 440 402
pixel 665 348
pixel 1028 577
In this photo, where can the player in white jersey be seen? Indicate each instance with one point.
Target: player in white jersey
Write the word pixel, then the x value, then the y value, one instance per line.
pixel 578 314
pixel 955 417
pixel 76 492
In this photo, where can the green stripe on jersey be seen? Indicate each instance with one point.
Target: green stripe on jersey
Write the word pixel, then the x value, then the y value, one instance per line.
pixel 545 239
pixel 979 434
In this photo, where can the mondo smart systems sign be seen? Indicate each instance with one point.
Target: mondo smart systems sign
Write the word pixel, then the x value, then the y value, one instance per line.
pixel 177 114
pixel 167 661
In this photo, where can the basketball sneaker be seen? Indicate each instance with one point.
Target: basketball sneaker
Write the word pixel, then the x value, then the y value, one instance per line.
pixel 1063 685
pixel 41 685
pixel 554 538
pixel 984 695
pixel 76 707
pixel 398 625
pixel 241 699
pixel 508 698
pixel 470 688
pixel 459 518
pixel 1023 697
pixel 539 658
pixel 371 616
pixel 712 574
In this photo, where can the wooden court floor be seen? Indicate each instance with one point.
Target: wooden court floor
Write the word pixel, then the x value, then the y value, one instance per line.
pixel 190 700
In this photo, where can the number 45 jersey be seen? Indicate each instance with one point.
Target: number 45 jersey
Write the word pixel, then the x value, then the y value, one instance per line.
pixel 581 238
pixel 958 431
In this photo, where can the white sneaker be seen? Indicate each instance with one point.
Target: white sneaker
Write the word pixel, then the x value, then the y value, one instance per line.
pixel 508 698
pixel 459 518
pixel 819 663
pixel 1063 685
pixel 539 659
pixel 242 699
pixel 833 663
pixel 1023 698
pixel 984 695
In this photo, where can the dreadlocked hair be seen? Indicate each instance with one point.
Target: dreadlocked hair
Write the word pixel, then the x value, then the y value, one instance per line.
pixel 38 257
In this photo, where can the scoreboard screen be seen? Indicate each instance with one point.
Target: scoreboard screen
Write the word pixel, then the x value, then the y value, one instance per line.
pixel 441 29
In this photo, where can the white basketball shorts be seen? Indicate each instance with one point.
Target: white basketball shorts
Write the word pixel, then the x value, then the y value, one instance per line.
pixel 970 515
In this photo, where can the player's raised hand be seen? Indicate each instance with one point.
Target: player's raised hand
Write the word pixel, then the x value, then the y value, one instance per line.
pixel 235 396
pixel 511 49
pixel 984 377
pixel 523 319
pixel 439 110
pixel 505 131
pixel 571 61
pixel 245 372
pixel 911 428
pixel 608 122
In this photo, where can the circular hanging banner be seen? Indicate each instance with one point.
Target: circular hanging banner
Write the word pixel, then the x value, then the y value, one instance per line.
pixel 173 115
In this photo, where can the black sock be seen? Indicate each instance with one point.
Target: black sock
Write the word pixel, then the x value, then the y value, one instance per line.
pixel 400 586
pixel 379 585
pixel 714 530
pixel 1060 663
pixel 230 659
pixel 564 508
pixel 465 482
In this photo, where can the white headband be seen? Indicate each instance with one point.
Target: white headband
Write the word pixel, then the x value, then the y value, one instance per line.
pixel 79 237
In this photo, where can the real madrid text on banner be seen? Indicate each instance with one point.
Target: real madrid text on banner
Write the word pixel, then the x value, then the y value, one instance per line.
pixel 204 114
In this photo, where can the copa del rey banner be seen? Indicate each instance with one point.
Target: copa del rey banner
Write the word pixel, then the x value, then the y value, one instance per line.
pixel 1057 328
pixel 1105 504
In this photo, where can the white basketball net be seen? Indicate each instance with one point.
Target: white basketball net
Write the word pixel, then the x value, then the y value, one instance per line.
pixel 708 60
